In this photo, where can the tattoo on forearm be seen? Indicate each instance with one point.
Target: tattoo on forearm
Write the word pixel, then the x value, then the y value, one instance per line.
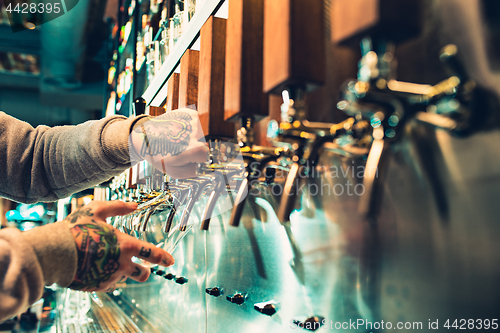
pixel 145 253
pixel 166 134
pixel 137 272
pixel 73 217
pixel 98 255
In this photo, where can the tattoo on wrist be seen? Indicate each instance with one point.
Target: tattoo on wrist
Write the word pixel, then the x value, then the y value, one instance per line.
pixel 167 134
pixel 137 272
pixel 145 253
pixel 98 255
pixel 82 212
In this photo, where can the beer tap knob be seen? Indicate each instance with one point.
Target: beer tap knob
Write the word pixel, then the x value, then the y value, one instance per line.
pixel 139 106
pixel 448 55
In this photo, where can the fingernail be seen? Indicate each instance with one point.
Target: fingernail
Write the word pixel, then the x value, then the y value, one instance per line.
pixel 133 205
pixel 169 262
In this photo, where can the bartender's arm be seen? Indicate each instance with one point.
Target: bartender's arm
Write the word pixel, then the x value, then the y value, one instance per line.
pixel 45 164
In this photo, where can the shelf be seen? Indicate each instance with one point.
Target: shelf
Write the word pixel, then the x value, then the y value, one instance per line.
pixel 21 80
pixel 185 42
pixel 26 42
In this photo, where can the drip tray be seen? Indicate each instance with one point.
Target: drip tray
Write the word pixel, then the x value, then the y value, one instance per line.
pixel 111 318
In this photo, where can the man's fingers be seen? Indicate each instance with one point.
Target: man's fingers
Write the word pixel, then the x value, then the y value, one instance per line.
pixel 111 288
pixel 143 250
pixel 139 273
pixel 104 209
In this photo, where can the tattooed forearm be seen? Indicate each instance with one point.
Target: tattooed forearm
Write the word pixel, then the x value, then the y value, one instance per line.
pixel 73 217
pixel 98 255
pixel 145 253
pixel 167 134
pixel 137 272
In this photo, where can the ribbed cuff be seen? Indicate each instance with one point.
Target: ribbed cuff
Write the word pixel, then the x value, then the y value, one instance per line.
pixel 115 139
pixel 56 251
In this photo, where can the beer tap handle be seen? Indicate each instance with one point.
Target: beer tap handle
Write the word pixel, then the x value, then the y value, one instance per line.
pixel 146 218
pixel 195 195
pixel 139 106
pixel 373 179
pixel 241 198
pixel 290 195
pixel 212 200
pixel 246 184
pixel 448 56
pixel 173 210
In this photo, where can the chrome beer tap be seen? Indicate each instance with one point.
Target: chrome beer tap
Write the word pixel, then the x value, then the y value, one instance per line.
pixel 220 174
pixel 255 160
pixel 388 105
pixel 304 139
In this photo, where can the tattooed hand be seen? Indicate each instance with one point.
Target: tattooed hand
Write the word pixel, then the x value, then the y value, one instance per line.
pixel 173 142
pixel 104 253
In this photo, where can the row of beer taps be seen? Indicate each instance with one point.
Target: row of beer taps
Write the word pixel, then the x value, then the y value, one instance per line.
pixel 378 109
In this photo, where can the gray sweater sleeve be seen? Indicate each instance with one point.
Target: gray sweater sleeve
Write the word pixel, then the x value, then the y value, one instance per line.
pixel 29 260
pixel 45 164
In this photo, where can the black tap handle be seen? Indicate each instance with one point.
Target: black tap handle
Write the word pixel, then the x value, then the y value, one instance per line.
pixel 139 106
pixel 215 291
pixel 449 56
pixel 237 298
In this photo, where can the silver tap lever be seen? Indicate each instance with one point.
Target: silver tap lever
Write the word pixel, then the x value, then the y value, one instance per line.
pixel 198 188
pixel 173 211
pixel 289 193
pixel 375 169
pixel 219 187
pixel 237 211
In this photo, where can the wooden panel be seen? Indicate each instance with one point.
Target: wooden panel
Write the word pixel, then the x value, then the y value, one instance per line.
pixel 244 57
pixel 211 79
pixel 155 111
pixel 294 49
pixel 173 92
pixel 188 82
pixel 395 20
